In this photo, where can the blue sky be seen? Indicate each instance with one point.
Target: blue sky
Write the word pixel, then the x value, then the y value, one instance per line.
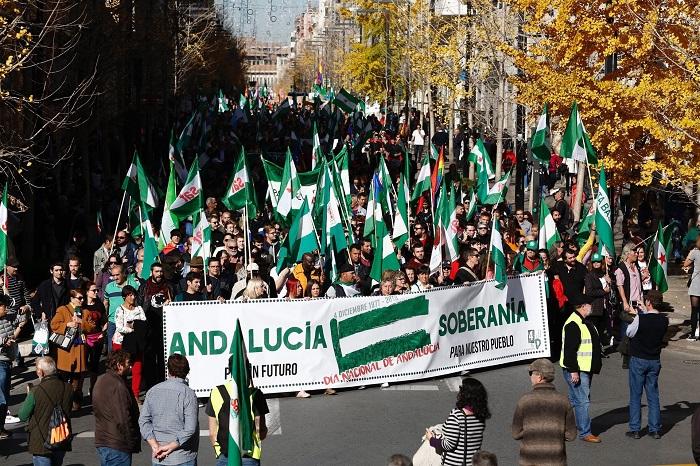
pixel 266 20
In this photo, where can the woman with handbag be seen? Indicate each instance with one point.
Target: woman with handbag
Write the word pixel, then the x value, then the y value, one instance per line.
pixel 94 328
pixel 463 431
pixel 71 360
pixel 128 314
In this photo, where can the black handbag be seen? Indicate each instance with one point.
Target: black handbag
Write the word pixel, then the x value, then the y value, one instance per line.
pixel 64 341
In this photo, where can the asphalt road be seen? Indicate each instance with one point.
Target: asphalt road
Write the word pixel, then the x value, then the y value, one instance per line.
pixel 364 427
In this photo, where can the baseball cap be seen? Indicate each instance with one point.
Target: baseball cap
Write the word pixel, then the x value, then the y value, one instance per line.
pixel 532 245
pixel 544 367
pixel 596 257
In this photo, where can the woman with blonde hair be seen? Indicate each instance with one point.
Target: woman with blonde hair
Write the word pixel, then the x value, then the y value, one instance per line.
pixel 255 289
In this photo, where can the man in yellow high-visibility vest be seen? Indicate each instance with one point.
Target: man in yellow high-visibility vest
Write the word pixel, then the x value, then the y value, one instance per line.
pixel 580 359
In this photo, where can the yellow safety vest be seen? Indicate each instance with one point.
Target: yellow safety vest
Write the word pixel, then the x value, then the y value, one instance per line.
pixel 584 354
pixel 217 403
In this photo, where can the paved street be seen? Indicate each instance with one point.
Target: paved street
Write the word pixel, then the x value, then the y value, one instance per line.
pixel 363 427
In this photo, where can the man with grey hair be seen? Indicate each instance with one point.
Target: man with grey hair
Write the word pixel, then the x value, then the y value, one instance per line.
pixel 629 287
pixel 543 419
pixel 38 408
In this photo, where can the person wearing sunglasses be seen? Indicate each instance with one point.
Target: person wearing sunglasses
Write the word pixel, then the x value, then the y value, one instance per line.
pixel 71 362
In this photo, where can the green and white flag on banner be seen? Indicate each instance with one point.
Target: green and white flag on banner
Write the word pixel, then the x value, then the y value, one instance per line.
pixel 549 235
pixel 346 101
pixel 3 230
pixel 201 237
pixel 400 232
pixel 289 187
pixel 301 238
pixel 575 143
pixel 384 254
pixel 189 200
pixel 541 145
pixel 498 256
pixel 423 180
pixel 497 193
pixel 603 221
pixel 658 263
pixel 169 222
pixel 481 159
pixel 150 246
pixel 316 152
pixel 240 422
pixel 240 192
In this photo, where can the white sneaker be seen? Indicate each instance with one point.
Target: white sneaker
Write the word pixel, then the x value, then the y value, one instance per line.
pixel 303 394
pixel 384 385
pixel 10 419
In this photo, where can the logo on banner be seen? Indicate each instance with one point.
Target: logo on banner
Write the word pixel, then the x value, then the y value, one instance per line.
pixel 381 317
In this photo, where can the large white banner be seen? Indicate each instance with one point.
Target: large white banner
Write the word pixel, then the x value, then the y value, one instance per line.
pixel 345 342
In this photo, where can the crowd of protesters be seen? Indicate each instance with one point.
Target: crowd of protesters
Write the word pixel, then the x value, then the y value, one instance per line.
pixel 597 304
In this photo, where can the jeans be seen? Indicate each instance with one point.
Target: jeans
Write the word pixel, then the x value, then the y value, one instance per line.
pixel 5 376
pixel 223 461
pixel 55 459
pixel 112 457
pixel 111 330
pixel 644 375
pixel 580 399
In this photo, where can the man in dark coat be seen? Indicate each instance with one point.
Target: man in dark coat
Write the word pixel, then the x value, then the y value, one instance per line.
pixel 50 294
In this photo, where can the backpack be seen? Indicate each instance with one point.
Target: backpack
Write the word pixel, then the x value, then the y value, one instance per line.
pixel 59 432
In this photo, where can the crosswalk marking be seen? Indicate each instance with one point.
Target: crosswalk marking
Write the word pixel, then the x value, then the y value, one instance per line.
pixel 453 383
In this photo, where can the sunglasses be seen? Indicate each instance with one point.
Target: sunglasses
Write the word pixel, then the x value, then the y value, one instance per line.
pixel 94 290
pixel 80 298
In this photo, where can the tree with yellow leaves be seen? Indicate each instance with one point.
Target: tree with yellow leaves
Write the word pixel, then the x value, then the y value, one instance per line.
pixel 633 66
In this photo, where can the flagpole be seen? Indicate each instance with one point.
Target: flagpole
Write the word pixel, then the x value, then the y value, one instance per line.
pixel 493 209
pixel 116 226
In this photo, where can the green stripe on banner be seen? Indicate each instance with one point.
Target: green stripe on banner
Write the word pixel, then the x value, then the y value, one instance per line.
pixel 383 316
pixel 377 351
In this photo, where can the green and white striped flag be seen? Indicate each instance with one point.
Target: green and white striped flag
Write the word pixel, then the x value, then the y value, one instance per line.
pixel 240 192
pixel 240 422
pixel 584 229
pixel 497 193
pixel 451 226
pixel 150 246
pixel 384 254
pixel 575 143
pixel 186 135
pixel 176 157
pixel 658 263
pixel 3 230
pixel 147 190
pixel 541 145
pixel 549 235
pixel 131 182
pixel 301 238
pixel 472 205
pixel 423 180
pixel 332 232
pixel 289 188
pixel 603 221
pixel 346 101
pixel 481 159
pixel 439 223
pixel 201 237
pixel 169 222
pixel 189 200
pixel 316 152
pixel 400 232
pixel 223 102
pixel 498 256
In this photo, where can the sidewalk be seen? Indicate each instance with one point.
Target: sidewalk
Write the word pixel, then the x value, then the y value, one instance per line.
pixel 679 315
